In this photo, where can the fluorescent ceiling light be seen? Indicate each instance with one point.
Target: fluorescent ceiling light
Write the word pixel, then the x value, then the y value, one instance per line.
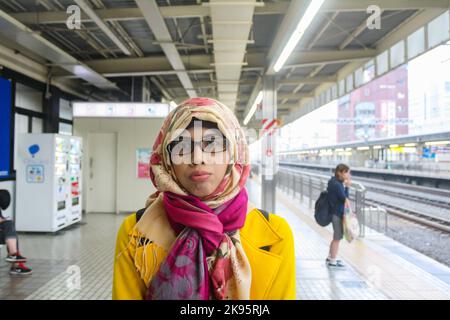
pixel 253 108
pixel 305 21
pixel 362 148
pixel 377 147
pixel 437 143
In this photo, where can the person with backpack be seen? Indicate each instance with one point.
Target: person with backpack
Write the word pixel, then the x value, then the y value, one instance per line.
pixel 199 238
pixel 9 237
pixel 338 198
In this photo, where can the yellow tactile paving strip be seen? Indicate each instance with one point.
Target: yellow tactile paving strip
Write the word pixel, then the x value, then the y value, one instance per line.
pixel 396 281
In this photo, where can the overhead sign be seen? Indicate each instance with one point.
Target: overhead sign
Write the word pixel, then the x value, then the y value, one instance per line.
pixel 120 110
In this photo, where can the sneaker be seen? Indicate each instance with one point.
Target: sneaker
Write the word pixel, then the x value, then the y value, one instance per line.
pixel 336 264
pixel 20 269
pixel 14 258
pixel 337 260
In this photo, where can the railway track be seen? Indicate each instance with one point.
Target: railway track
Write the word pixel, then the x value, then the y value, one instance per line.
pixel 433 198
pixel 443 204
pixel 414 216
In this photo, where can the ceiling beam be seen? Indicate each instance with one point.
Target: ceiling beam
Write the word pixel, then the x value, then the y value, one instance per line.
pixel 318 57
pixel 401 32
pixel 203 61
pixel 322 31
pixel 282 96
pixel 362 5
pixel 301 85
pixel 354 34
pixel 124 14
pixel 159 29
pixel 231 23
pixel 20 34
pixel 193 11
pixel 287 26
pixel 307 80
pixel 102 25
pixel 407 27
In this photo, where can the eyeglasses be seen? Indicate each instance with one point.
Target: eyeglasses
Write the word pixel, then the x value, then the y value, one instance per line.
pixel 185 146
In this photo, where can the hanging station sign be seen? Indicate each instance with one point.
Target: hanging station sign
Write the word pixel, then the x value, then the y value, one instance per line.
pixel 120 110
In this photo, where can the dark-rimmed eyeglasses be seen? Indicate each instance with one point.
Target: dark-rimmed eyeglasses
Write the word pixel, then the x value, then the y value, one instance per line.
pixel 184 146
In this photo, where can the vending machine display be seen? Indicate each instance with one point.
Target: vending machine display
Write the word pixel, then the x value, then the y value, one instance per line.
pixel 75 178
pixel 48 182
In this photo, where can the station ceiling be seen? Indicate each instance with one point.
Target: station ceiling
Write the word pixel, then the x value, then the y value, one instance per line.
pixel 210 48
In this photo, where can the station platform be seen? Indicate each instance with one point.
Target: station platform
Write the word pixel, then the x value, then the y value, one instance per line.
pixel 441 175
pixel 376 267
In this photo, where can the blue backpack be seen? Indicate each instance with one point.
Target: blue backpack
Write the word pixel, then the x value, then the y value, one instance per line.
pixel 322 212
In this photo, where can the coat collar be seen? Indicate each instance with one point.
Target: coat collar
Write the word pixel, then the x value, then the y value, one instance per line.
pixel 258 230
pixel 257 233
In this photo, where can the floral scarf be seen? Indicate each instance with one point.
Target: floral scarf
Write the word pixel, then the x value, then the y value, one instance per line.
pixel 205 257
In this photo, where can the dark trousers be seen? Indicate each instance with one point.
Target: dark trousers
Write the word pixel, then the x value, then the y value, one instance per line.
pixel 7 231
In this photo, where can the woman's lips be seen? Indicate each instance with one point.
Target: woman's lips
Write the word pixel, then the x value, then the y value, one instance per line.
pixel 199 176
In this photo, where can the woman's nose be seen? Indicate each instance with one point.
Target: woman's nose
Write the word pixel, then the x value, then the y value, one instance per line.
pixel 197 155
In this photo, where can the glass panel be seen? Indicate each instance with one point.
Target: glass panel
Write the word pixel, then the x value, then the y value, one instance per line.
pixel 334 91
pixel 359 77
pixel 65 128
pixel 416 43
pixel 328 95
pixel 382 63
pixel 20 126
pixel 349 81
pixel 369 71
pixel 342 87
pixel 28 98
pixel 438 30
pixel 397 54
pixel 37 125
pixel 65 109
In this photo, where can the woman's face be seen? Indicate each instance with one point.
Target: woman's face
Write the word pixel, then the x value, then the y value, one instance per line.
pixel 200 171
pixel 344 175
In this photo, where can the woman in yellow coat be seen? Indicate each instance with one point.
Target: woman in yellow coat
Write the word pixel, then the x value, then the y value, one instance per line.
pixel 199 237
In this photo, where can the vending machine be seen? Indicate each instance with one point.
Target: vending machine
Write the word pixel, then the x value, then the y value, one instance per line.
pixel 48 182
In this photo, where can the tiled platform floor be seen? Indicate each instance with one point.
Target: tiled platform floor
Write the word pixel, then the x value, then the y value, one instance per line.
pixel 379 266
pixel 77 263
pixel 314 279
pixel 86 249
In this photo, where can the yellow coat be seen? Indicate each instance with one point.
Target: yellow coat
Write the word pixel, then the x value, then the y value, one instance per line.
pixel 273 271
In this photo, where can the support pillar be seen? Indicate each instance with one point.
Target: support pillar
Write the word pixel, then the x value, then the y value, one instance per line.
pixel 268 158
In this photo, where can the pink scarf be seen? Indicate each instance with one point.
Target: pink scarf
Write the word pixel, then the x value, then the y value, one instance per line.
pixel 201 231
pixel 205 257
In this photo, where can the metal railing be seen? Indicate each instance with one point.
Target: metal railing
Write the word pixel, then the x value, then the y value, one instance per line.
pixel 376 218
pixel 306 186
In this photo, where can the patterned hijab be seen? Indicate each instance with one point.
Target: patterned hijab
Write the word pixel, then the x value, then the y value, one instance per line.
pixel 205 259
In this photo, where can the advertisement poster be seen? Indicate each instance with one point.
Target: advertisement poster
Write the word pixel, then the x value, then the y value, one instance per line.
pixel 143 163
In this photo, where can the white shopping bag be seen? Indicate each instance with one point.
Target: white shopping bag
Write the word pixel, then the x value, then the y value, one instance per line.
pixel 351 225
